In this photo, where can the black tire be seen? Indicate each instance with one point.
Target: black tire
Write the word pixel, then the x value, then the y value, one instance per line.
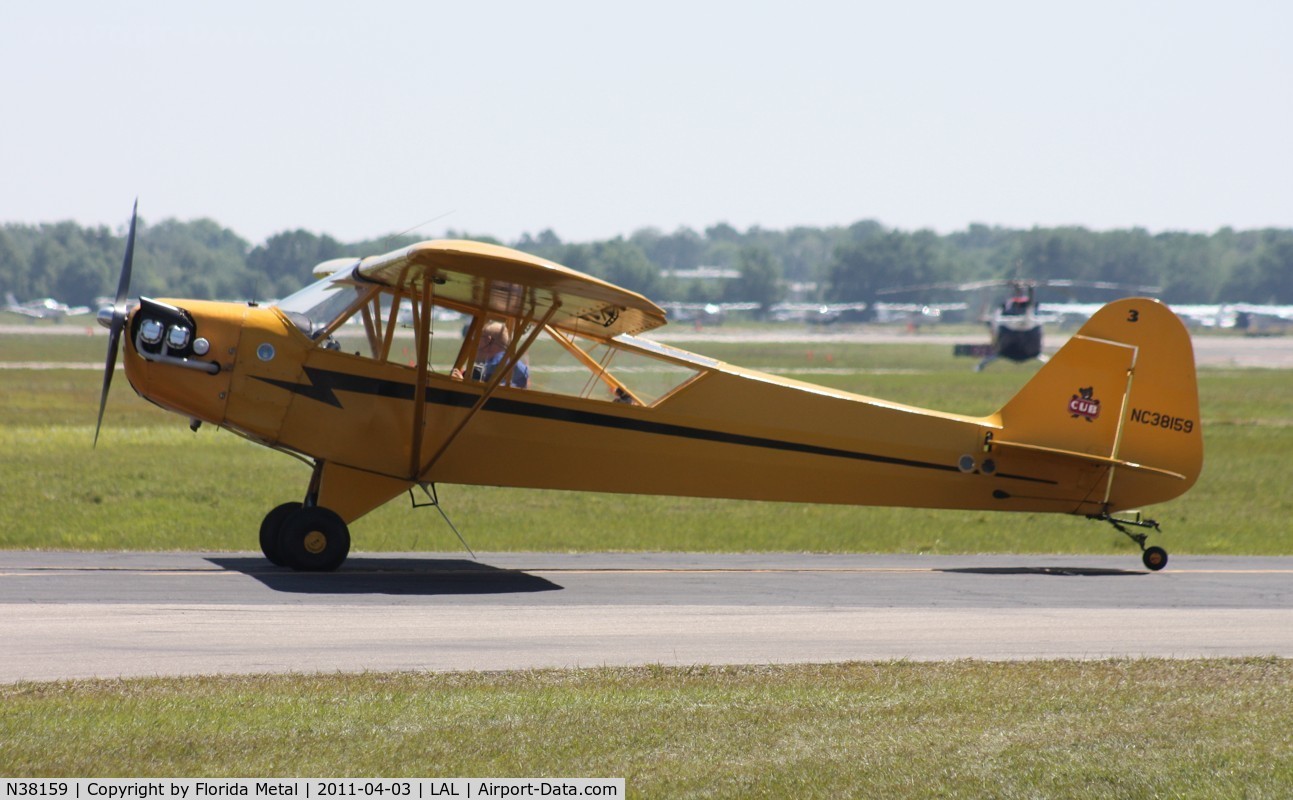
pixel 1155 558
pixel 269 528
pixel 313 539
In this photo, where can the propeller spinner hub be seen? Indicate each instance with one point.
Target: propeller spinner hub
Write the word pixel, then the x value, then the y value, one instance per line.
pixel 105 316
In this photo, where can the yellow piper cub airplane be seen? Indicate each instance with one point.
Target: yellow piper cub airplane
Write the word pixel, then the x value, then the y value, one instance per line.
pixel 569 397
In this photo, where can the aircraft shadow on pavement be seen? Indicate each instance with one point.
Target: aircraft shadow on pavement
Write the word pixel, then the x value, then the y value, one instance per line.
pixel 1061 572
pixel 394 576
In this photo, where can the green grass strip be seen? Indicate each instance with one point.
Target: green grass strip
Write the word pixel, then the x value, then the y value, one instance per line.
pixel 1121 728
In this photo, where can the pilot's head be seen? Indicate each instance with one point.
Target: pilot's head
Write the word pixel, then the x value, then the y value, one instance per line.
pixel 494 338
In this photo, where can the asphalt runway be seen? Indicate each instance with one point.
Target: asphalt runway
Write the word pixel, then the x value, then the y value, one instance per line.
pixel 79 615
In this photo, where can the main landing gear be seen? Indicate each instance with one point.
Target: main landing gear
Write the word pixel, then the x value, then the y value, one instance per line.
pixel 1154 558
pixel 305 538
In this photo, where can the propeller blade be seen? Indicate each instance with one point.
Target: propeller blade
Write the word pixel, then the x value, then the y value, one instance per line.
pixel 114 338
pixel 123 284
pixel 118 319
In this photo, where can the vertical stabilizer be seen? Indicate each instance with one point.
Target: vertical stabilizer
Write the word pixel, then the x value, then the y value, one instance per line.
pixel 1121 398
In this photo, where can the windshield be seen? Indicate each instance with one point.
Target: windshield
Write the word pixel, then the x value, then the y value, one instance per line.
pixel 314 308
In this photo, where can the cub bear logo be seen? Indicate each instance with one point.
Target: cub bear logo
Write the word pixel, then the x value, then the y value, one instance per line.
pixel 1084 405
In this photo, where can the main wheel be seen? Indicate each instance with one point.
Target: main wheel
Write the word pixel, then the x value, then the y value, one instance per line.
pixel 313 539
pixel 269 528
pixel 1155 558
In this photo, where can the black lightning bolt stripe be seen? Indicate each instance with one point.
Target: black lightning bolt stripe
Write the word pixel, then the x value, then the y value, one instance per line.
pixel 324 384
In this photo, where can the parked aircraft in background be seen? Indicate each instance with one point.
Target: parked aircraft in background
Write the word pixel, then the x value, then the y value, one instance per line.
pixel 1263 320
pixel 1250 318
pixel 44 308
pixel 704 313
pixel 815 313
pixel 915 315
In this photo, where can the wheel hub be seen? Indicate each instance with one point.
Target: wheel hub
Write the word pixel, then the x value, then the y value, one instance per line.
pixel 315 542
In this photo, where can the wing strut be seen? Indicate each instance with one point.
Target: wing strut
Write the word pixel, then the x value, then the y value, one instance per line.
pixel 504 368
pixel 434 498
pixel 420 389
pixel 598 369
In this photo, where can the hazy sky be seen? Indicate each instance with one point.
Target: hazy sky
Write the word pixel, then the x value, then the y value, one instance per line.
pixel 599 118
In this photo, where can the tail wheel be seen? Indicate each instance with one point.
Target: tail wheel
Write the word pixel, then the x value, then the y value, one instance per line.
pixel 269 530
pixel 313 539
pixel 1155 558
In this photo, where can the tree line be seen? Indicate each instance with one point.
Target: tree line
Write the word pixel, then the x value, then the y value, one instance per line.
pixel 854 263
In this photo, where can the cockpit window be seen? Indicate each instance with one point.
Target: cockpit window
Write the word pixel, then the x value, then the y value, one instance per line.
pixel 314 308
pixel 625 370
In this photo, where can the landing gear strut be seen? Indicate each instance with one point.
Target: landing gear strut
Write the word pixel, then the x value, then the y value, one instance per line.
pixel 1154 558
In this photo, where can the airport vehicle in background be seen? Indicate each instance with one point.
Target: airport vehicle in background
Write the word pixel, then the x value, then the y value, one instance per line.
pixel 1110 424
pixel 44 308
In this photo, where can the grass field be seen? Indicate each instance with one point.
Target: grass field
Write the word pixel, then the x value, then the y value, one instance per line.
pixel 893 730
pixel 152 484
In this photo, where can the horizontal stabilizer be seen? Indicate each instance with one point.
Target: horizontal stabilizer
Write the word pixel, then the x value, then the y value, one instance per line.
pixel 1091 458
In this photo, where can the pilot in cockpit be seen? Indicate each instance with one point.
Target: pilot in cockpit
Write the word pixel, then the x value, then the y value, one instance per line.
pixel 490 352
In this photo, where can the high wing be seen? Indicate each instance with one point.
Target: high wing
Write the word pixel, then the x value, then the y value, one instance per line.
pixel 474 277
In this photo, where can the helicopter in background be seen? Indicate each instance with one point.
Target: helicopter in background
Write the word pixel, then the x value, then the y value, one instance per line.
pixel 1015 324
pixel 1016 328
